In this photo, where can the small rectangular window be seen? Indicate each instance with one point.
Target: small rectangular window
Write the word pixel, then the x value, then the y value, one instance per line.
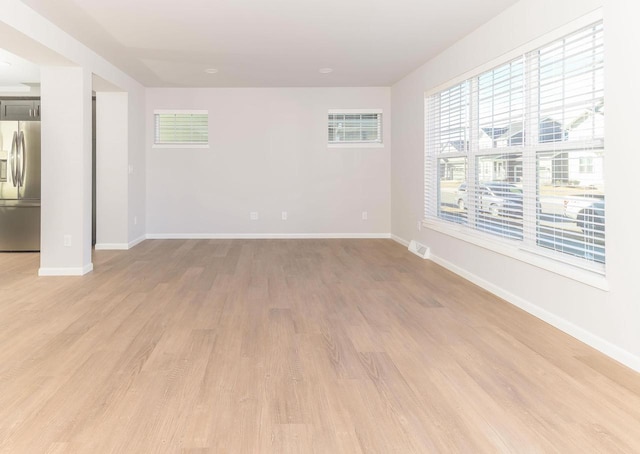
pixel 586 165
pixel 363 127
pixel 175 128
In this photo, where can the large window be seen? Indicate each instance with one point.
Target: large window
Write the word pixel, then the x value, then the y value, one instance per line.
pixel 516 153
pixel 358 127
pixel 175 128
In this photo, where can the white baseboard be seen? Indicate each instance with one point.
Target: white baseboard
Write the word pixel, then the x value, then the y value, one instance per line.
pixel 402 241
pixel 136 242
pixel 602 345
pixel 111 246
pixel 262 236
pixel 119 246
pixel 80 271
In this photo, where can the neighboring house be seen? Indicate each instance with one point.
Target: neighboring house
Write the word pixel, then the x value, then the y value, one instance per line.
pixel 584 168
pixel 574 168
pixel 453 169
pixel 502 167
pixel 455 146
pixel 508 136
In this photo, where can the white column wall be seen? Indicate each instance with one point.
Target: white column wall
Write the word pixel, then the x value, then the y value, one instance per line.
pixel 66 171
pixel 112 151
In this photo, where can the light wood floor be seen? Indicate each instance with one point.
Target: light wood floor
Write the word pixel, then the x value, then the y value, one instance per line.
pixel 283 346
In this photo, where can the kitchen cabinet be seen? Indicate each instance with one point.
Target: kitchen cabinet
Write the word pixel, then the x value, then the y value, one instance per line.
pixel 20 110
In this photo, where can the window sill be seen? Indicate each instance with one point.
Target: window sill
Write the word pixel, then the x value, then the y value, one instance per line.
pixel 179 145
pixel 355 145
pixel 515 251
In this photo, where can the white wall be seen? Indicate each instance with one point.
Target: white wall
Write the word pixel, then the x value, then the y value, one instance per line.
pixel 608 320
pixel 268 153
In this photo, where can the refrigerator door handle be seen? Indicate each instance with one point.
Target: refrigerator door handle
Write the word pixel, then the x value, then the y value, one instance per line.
pixel 23 158
pixel 14 160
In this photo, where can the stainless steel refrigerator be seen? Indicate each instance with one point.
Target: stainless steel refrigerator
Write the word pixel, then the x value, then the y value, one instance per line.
pixel 19 185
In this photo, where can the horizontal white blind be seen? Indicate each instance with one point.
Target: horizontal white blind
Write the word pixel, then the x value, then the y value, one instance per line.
pixel 447 139
pixel 453 124
pixel 496 190
pixel 355 127
pixel 570 157
pixel 516 153
pixel 501 102
pixel 181 128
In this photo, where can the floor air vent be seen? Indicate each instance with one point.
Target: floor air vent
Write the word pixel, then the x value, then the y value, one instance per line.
pixel 419 249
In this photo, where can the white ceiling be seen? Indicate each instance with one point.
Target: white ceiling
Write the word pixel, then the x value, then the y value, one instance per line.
pixel 268 43
pixel 17 75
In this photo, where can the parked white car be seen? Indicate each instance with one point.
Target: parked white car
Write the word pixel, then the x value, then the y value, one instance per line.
pixel 575 203
pixel 496 198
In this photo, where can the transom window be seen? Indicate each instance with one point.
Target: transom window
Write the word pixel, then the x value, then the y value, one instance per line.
pixel 175 128
pixel 516 153
pixel 362 127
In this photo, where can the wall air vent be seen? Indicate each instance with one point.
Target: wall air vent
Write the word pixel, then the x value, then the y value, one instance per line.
pixel 418 249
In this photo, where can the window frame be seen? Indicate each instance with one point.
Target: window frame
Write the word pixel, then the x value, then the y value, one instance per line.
pixel 178 144
pixel 586 164
pixel 568 266
pixel 358 144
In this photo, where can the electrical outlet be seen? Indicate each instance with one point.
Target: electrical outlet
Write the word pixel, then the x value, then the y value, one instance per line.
pixel 130 169
pixel 419 225
pixel 67 241
pixel 365 216
pixel 135 220
pixel 253 215
pixel 284 215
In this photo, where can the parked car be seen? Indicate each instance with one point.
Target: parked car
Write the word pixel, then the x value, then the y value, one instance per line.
pixel 591 219
pixel 574 204
pixel 496 198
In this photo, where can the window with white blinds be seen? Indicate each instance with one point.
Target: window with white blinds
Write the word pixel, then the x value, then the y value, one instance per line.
pixel 355 127
pixel 516 153
pixel 179 128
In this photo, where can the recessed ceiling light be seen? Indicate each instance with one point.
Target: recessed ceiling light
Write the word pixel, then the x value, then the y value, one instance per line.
pixel 5 63
pixel 211 70
pixel 326 70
